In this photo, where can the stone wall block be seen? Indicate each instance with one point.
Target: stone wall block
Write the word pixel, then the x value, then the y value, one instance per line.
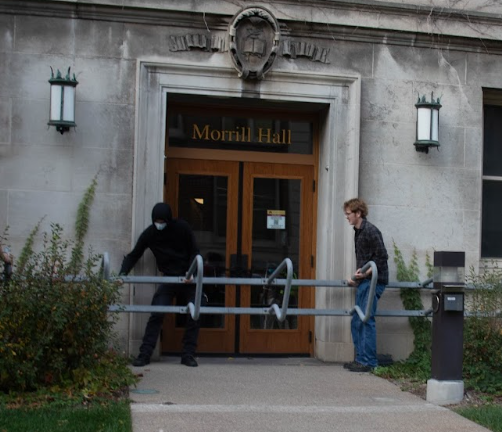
pixel 113 168
pixel 104 125
pixel 95 39
pixel 484 69
pixel 97 125
pixel 6 33
pixel 460 106
pixel 400 346
pixel 393 143
pixel 387 100
pixel 26 76
pixel 5 121
pixel 421 186
pixel 408 251
pixel 463 5
pixel 116 248
pixel 30 128
pixel 424 229
pixel 105 80
pixel 153 41
pixel 450 152
pixel 443 67
pixel 27 208
pixel 384 142
pixel 473 148
pixel 4 201
pixel 110 217
pixel 472 231
pixel 349 57
pixel 5 71
pixel 35 168
pixel 45 36
pixel 470 187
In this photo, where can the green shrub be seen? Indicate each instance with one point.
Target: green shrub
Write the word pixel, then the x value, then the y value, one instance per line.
pixel 483 332
pixel 55 329
pixel 418 364
pixel 52 323
pixel 412 300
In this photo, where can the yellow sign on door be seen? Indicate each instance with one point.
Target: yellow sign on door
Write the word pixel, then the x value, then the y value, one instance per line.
pixel 276 219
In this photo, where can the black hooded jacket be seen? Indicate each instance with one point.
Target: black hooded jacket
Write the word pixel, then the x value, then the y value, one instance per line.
pixel 174 247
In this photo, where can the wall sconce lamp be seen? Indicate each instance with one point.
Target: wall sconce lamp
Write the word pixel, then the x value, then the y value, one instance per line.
pixel 427 124
pixel 63 90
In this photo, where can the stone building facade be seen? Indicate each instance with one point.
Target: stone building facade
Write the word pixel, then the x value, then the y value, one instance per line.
pixel 357 68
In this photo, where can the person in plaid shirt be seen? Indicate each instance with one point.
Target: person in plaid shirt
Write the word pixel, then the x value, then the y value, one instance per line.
pixel 369 246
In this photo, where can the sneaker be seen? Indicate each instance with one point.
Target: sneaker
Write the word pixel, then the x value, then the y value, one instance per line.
pixel 358 367
pixel 141 360
pixel 188 360
pixel 349 364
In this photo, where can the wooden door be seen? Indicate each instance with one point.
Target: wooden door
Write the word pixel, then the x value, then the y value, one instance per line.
pixel 205 194
pixel 277 224
pixel 247 217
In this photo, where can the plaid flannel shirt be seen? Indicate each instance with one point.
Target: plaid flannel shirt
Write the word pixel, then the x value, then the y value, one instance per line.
pixel 370 247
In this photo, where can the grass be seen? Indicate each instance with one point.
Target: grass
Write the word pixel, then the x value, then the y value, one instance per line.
pixel 115 416
pixel 489 416
pixel 484 409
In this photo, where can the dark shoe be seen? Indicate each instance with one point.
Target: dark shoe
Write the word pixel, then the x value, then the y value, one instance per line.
pixel 358 367
pixel 188 360
pixel 349 365
pixel 141 360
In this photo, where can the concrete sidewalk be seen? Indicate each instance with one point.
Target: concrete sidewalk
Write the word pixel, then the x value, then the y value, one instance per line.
pixel 278 394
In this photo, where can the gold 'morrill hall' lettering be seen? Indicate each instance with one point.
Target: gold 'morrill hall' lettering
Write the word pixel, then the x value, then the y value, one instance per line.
pixel 241 134
pixel 282 137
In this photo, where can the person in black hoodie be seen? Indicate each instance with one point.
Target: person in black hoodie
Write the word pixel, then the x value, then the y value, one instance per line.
pixel 173 244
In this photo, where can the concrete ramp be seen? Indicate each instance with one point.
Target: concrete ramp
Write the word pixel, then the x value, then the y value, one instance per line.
pixel 280 395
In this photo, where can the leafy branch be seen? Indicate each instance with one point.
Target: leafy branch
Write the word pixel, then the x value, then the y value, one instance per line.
pixel 82 224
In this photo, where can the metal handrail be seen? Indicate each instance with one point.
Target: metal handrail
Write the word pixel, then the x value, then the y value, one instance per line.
pixel 196 309
pixel 281 313
pixel 210 310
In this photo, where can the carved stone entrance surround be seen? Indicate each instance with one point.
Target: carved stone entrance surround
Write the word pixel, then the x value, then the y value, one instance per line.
pixel 338 171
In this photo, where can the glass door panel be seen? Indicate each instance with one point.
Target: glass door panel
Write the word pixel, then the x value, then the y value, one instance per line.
pixel 276 236
pixel 204 193
pixel 278 202
pixel 202 202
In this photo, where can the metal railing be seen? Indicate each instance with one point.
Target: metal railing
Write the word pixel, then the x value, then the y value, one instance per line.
pixel 195 309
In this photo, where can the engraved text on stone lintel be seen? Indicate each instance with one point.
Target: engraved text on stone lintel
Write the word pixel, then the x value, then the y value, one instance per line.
pixel 197 41
pixel 290 48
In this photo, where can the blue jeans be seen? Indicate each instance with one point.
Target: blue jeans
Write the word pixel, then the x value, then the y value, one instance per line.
pixel 364 334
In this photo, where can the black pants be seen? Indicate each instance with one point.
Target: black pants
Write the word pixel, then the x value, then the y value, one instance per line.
pixel 164 297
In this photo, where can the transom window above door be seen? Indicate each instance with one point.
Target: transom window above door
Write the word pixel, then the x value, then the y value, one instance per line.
pixel 241 130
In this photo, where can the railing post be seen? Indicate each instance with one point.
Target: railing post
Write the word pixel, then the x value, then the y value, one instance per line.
pixel 281 313
pixel 365 316
pixel 105 266
pixel 197 264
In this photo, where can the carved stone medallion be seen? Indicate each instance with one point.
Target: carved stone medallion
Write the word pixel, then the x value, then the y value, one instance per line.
pixel 254 41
